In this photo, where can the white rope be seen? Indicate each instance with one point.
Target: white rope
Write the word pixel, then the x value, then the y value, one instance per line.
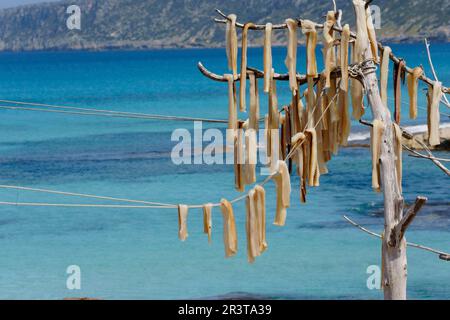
pixel 62 205
pixel 102 113
pixel 82 195
pixel 410 244
pixel 419 107
pixel 148 204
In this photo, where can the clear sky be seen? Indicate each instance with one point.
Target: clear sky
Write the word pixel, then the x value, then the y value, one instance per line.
pixel 13 3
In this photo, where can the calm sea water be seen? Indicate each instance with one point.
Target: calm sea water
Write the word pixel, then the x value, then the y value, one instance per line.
pixel 135 254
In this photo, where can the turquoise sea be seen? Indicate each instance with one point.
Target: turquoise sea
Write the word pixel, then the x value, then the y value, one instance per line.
pixel 135 253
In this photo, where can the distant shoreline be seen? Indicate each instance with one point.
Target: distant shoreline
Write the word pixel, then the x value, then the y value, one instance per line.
pixel 162 48
pixel 150 25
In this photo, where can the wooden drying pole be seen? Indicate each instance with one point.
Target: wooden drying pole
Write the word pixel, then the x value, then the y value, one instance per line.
pixel 394 258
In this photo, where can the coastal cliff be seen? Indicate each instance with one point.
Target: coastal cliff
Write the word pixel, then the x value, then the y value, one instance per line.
pixel 142 24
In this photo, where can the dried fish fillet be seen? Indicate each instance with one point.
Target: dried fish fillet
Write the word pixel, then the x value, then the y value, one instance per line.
pixel 267 57
pixel 384 74
pixel 372 35
pixel 229 228
pixel 251 228
pixel 239 159
pixel 310 96
pixel 344 118
pixel 314 172
pixel 251 156
pixel 232 45
pixel 434 117
pixel 309 29
pixel 399 74
pixel 291 58
pixel 328 46
pixel 283 186
pixel 345 38
pixel 255 223
pixel 260 195
pixel 183 211
pixel 286 133
pixel 273 104
pixel 232 112
pixel 254 102
pixel 413 83
pixel 359 49
pixel 398 150
pixel 296 121
pixel 274 135
pixel 298 138
pixel 243 87
pixel 376 140
pixel 207 220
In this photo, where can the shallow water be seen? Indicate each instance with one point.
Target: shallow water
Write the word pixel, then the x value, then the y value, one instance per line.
pixel 135 253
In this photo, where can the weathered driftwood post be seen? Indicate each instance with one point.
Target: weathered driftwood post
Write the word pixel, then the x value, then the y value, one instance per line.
pixel 394 243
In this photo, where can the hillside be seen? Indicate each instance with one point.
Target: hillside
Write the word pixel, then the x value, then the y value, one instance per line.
pixel 111 24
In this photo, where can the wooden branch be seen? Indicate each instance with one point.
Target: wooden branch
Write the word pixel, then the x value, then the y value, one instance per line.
pixel 405 133
pixel 416 154
pixel 442 255
pixel 366 123
pixel 339 19
pixel 258 73
pixel 210 74
pixel 254 27
pixel 421 156
pixel 362 228
pixel 301 79
pixel 445 102
pixel 430 156
pixel 335 28
pixel 408 218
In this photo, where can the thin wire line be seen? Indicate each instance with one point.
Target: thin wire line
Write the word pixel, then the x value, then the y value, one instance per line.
pixel 149 204
pixel 82 195
pixel 116 114
pixel 420 107
pixel 68 107
pixel 62 205
pixel 414 245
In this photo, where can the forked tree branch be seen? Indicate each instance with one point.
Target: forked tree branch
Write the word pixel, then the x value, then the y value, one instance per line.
pixel 422 156
pixel 432 157
pixel 301 79
pixel 442 255
pixel 409 217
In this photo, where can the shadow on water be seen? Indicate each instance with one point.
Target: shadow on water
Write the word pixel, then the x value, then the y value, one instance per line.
pixel 236 296
pixel 109 157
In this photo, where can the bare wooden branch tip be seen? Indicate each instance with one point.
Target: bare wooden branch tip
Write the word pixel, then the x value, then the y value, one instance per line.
pixel 442 255
pixel 409 217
